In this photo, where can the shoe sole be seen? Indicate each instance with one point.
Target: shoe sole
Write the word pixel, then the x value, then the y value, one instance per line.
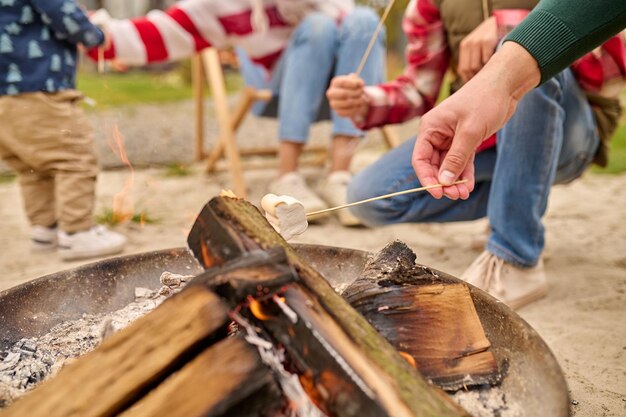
pixel 42 247
pixel 66 255
pixel 529 298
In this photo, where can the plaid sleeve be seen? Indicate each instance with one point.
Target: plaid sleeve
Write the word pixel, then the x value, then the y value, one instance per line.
pixel 603 71
pixel 416 90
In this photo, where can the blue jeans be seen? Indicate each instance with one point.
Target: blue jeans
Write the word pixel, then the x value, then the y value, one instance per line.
pixel 319 49
pixel 550 139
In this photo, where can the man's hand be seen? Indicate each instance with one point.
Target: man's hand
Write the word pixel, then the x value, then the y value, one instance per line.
pixel 346 96
pixel 476 48
pixel 449 134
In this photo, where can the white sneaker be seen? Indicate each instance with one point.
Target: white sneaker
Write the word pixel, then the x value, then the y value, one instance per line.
pixel 516 287
pixel 293 184
pixel 97 241
pixel 335 192
pixel 43 238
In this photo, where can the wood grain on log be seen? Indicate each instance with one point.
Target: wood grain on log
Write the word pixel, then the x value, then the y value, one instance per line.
pixel 129 363
pixel 218 382
pixel 432 320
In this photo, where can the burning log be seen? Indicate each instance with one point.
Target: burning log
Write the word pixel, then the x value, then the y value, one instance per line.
pixel 228 379
pixel 348 367
pixel 432 321
pixel 131 362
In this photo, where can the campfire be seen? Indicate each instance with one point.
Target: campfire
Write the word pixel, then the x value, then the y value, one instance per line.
pixel 261 333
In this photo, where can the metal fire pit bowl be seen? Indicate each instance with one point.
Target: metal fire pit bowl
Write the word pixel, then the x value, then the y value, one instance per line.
pixel 533 377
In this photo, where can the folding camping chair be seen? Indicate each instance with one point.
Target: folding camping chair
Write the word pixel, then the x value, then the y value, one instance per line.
pixel 207 65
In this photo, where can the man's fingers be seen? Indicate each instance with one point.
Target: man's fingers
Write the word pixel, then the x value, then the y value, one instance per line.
pixel 487 51
pixel 456 159
pixel 347 104
pixel 425 162
pixel 343 94
pixel 347 81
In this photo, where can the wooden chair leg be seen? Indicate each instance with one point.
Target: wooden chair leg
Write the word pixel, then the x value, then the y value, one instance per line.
pixel 391 137
pixel 248 97
pixel 197 80
pixel 215 78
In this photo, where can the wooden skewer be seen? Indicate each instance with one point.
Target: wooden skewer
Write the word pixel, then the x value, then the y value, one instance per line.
pixel 382 197
pixel 374 37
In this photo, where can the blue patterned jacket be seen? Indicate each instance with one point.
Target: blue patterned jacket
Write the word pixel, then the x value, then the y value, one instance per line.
pixel 38 40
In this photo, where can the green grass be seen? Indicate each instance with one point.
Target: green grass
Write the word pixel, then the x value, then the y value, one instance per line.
pixel 110 218
pixel 7 177
pixel 139 87
pixel 176 170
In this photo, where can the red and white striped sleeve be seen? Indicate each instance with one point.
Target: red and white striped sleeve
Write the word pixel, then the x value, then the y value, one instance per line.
pixel 192 25
pixel 416 90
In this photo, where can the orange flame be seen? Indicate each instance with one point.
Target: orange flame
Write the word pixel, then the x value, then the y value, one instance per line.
pixel 409 358
pixel 257 310
pixel 123 206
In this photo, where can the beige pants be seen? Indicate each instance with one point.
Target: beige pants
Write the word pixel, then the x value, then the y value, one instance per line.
pixel 48 141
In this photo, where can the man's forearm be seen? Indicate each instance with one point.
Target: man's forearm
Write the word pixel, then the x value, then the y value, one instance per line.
pixel 514 69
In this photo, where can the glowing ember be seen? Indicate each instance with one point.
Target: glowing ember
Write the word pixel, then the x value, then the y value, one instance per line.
pixel 410 359
pixel 257 310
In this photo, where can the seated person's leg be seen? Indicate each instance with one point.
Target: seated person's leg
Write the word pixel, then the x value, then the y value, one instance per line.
pixel 394 172
pixel 307 66
pixel 354 35
pixel 552 127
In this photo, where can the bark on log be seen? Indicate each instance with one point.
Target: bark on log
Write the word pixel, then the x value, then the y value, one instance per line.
pixel 130 363
pixel 229 227
pixel 432 320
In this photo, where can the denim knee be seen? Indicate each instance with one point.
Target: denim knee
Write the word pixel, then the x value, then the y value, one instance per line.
pixel 317 29
pixel 362 21
pixel 376 213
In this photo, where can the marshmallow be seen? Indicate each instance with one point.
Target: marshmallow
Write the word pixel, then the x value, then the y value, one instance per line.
pixel 285 214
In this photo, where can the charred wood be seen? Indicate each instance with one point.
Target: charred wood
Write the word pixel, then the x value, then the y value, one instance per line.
pixel 227 379
pixel 434 321
pixel 130 363
pixel 375 366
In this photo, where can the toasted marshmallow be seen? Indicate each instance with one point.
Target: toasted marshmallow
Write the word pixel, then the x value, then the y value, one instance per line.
pixel 285 214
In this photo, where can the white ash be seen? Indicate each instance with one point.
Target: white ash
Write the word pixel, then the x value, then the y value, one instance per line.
pixel 31 361
pixel 488 402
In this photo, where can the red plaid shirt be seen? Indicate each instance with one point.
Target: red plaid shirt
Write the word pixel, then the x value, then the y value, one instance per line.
pixel 428 58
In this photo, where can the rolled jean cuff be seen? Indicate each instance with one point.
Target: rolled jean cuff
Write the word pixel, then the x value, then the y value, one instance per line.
pixel 509 257
pixel 355 133
pixel 303 139
pixel 345 127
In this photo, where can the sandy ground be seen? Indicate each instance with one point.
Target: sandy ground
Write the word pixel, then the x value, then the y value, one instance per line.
pixel 582 319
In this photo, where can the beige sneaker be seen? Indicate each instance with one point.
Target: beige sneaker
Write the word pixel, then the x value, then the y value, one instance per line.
pixel 516 287
pixel 335 190
pixel 293 185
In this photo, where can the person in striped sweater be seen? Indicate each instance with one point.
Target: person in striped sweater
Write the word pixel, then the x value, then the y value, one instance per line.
pixel 293 47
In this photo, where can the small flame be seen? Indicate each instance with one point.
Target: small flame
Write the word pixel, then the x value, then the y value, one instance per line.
pixel 228 193
pixel 409 358
pixel 257 310
pixel 207 259
pixel 123 206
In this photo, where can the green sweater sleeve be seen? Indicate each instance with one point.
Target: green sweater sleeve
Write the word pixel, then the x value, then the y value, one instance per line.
pixel 557 32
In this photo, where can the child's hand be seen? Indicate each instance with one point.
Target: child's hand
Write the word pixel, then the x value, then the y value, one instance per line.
pixel 346 96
